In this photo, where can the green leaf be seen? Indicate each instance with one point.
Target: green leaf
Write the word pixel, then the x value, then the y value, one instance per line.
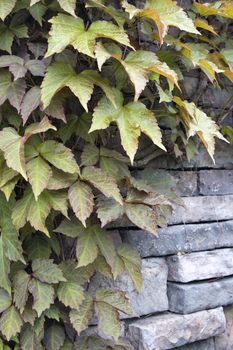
pixel 37 213
pixel 81 85
pixel 5 300
pixel 58 201
pixel 12 146
pixel 43 295
pixel 132 263
pixel 37 247
pixel 71 294
pixel 81 318
pixel 108 210
pixel 105 245
pixel 90 155
pixel 39 173
pixel 68 6
pixel 28 339
pixel 108 320
pixel 87 249
pixel 21 208
pixel 54 336
pixel 4 269
pixel 36 128
pixel 67 30
pixel 53 313
pixel 131 119
pixel 142 216
pixel 60 180
pixel 6 7
pixel 116 299
pixel 102 181
pixel 10 322
pixel 82 200
pixel 30 102
pixel 46 271
pixel 20 288
pixel 59 156
pixel 71 228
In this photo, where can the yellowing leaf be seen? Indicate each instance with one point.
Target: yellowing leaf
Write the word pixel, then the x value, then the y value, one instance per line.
pixel 200 23
pixel 39 173
pixel 82 200
pixel 12 146
pixel 6 7
pixel 10 322
pixel 59 156
pixel 142 216
pixel 68 6
pixel 67 30
pixel 138 65
pixel 220 8
pixel 131 119
pixel 197 122
pixel 81 85
pixel 81 318
pixel 71 294
pixel 103 182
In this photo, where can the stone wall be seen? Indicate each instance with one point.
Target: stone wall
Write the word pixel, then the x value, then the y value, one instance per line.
pixel 187 291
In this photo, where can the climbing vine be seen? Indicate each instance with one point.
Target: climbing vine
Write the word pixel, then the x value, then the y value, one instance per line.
pixel 75 76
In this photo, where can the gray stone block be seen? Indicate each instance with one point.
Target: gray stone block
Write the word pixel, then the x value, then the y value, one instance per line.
pixel 225 340
pixel 153 295
pixel 181 238
pixel 207 344
pixel 216 182
pixel 169 330
pixel 186 182
pixel 206 208
pixel 192 297
pixel 200 265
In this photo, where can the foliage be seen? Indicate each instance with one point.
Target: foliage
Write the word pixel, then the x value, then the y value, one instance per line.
pixel 75 75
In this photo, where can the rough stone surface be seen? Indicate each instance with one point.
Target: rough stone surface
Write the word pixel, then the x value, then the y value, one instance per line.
pixel 181 238
pixel 207 344
pixel 205 208
pixel 215 182
pixel 186 182
pixel 200 265
pixel 169 330
pixel 225 340
pixel 153 295
pixel 192 297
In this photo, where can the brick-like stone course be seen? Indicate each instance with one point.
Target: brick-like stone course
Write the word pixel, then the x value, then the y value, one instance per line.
pixel 215 182
pixel 200 265
pixel 181 238
pixel 225 340
pixel 169 330
pixel 192 297
pixel 153 295
pixel 207 344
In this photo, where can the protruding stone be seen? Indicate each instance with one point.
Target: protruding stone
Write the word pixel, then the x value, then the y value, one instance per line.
pixel 216 182
pixel 181 238
pixel 225 340
pixel 153 295
pixel 205 208
pixel 200 265
pixel 192 297
pixel 169 330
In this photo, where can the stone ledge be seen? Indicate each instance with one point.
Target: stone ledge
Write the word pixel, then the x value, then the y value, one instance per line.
pixel 215 182
pixel 207 344
pixel 192 297
pixel 200 265
pixel 169 330
pixel 153 295
pixel 181 238
pixel 225 340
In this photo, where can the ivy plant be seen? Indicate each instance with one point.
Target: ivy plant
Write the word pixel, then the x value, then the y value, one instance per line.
pixel 76 77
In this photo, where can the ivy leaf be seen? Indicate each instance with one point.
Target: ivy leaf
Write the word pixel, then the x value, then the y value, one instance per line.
pixel 58 201
pixel 199 123
pixel 102 181
pixel 87 249
pixel 68 6
pixel 28 339
pixel 39 173
pixel 43 295
pixel 38 211
pixel 81 85
pixel 108 210
pixel 5 300
pixel 105 245
pixel 46 271
pixel 116 299
pixel 117 15
pixel 142 216
pixel 10 322
pixel 131 119
pixel 37 11
pixel 37 247
pixel 59 156
pixel 12 146
pixel 21 208
pixel 108 318
pixel 60 180
pixel 4 269
pixel 82 200
pixel 6 7
pixel 90 155
pixel 71 294
pixel 71 228
pixel 30 102
pixel 20 288
pixel 132 263
pixel 224 9
pixel 81 318
pixel 67 30
pixel 54 336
